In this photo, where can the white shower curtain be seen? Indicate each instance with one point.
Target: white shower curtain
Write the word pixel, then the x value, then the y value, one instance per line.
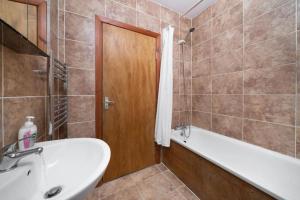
pixel 165 94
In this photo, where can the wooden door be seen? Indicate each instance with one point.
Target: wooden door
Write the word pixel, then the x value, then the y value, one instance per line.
pixel 129 80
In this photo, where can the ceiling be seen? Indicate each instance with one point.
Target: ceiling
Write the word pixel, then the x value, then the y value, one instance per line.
pixel 182 6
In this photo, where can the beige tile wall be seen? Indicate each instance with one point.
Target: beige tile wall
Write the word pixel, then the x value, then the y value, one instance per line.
pixel 57 43
pixel 77 48
pixel 241 72
pixel 244 72
pixel 23 93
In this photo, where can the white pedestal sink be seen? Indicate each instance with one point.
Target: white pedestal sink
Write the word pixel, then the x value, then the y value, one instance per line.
pixel 74 165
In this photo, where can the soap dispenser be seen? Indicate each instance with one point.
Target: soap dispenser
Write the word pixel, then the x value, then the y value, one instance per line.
pixel 27 134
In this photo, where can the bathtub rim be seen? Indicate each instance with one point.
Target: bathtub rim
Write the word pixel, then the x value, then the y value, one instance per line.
pixel 263 188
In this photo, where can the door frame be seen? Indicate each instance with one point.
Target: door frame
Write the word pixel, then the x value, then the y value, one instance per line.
pixel 99 21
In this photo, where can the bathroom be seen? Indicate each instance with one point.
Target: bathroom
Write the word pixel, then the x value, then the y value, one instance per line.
pixel 149 99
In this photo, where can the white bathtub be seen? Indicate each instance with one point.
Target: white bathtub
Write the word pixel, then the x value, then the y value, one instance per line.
pixel 274 173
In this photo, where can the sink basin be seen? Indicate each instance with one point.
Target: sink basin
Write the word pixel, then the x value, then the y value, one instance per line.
pixel 74 165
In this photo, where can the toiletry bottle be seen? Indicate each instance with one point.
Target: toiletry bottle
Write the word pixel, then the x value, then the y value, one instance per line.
pixel 33 131
pixel 27 134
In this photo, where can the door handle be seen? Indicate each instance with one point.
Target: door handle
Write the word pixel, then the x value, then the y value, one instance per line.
pixel 107 103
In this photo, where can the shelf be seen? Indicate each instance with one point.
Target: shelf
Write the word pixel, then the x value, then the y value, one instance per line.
pixel 11 38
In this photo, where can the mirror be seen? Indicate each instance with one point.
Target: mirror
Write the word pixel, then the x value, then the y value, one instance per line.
pixel 29 17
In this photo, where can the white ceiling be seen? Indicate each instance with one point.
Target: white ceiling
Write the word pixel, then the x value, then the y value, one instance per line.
pixel 182 6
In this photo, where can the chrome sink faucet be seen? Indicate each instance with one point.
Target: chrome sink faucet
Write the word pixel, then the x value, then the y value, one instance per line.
pixel 9 156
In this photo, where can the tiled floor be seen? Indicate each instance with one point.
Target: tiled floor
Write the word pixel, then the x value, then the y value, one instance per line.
pixel 153 183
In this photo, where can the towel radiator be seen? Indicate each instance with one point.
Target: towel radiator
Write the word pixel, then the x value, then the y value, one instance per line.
pixel 58 99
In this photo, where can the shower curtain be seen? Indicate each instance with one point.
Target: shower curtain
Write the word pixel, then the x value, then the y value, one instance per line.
pixel 165 94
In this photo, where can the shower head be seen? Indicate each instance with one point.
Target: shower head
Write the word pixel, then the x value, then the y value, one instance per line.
pixel 192 29
pixel 181 42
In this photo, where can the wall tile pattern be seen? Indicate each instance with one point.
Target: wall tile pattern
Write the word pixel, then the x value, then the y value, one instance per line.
pixel 240 65
pixel 245 61
pixel 23 93
pixel 76 29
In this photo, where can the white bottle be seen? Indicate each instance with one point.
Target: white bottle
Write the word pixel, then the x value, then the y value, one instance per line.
pixel 27 134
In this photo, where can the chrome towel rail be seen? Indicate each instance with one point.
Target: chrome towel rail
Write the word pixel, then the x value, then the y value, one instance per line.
pixel 58 74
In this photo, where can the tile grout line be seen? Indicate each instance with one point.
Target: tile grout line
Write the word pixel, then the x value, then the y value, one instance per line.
pixel 136 13
pixel 266 12
pixel 249 119
pixel 198 45
pixel 180 75
pixel 105 8
pixel 22 97
pixel 160 22
pixel 159 173
pixel 271 10
pixel 149 15
pixel 226 73
pixel 64 33
pixel 46 117
pixel 296 88
pixel 209 58
pixel 240 94
pixel 58 30
pixel 135 9
pixel 81 95
pixel 243 71
pixel 210 74
pixel 169 181
pixel 203 23
pixel 81 122
pixel 82 68
pixel 217 35
pixel 185 186
pixel 2 88
pixel 224 11
pixel 120 3
pixel 243 67
pixel 256 120
pixel 141 194
pixel 179 193
pixel 256 43
pixel 191 81
pixel 79 14
pixel 119 179
pixel 79 41
pixel 160 47
pixel 250 68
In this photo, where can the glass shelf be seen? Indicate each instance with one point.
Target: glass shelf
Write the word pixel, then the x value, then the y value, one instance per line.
pixel 11 38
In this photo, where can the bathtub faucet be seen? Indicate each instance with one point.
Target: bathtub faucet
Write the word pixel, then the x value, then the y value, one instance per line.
pixel 185 131
pixel 181 128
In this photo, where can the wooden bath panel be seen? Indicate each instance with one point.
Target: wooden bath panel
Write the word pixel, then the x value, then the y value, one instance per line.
pixel 206 180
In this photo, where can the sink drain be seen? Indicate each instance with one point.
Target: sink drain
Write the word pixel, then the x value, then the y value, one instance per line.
pixel 53 192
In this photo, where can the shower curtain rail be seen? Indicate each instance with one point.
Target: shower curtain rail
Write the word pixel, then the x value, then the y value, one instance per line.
pixel 194 6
